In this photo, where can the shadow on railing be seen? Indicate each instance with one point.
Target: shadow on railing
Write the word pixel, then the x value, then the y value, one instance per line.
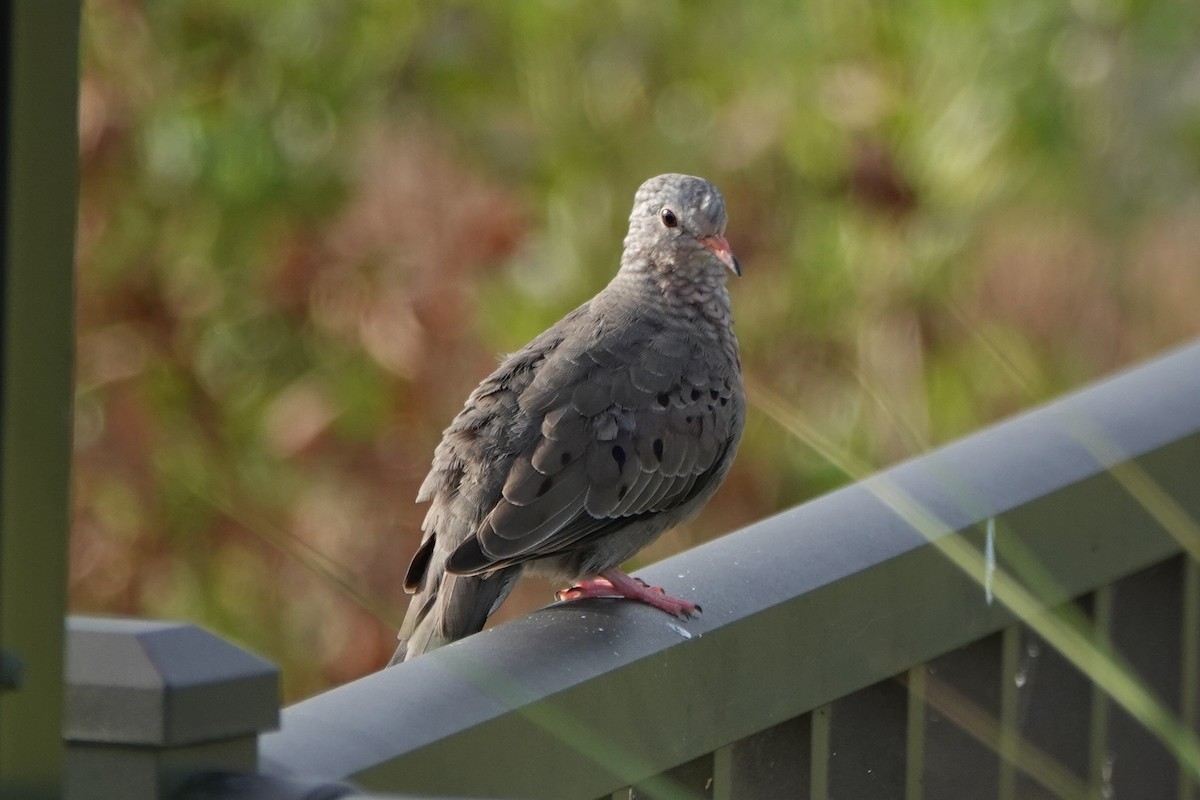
pixel 1014 615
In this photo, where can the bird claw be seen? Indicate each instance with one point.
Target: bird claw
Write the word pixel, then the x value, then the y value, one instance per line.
pixel 684 610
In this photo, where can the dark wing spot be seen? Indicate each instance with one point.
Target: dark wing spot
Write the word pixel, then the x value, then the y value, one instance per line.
pixel 714 394
pixel 618 454
pixel 724 401
pixel 663 399
pixel 565 459
pixel 546 486
pixel 695 394
pixel 688 419
pixel 658 449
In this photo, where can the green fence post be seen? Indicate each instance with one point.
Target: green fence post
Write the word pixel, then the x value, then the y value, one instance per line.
pixel 38 161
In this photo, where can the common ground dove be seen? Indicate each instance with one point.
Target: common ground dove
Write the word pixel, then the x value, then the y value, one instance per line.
pixel 596 437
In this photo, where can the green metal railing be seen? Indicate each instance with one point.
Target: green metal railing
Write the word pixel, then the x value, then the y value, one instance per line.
pixel 1013 615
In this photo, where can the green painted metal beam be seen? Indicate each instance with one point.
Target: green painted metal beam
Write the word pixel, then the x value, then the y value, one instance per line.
pixel 40 44
pixel 800 609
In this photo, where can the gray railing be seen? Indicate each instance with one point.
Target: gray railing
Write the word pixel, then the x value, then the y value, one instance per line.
pixel 1010 616
pixel 1014 615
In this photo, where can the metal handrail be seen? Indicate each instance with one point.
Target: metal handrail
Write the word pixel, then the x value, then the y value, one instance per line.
pixel 580 699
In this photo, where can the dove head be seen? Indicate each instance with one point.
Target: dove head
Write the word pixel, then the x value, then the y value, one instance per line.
pixel 678 224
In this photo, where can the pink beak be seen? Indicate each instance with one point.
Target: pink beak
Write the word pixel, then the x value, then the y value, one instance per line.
pixel 720 249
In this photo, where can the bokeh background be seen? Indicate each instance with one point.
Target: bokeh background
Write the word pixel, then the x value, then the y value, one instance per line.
pixel 307 228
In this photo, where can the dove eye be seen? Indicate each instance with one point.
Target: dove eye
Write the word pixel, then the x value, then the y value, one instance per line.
pixel 668 217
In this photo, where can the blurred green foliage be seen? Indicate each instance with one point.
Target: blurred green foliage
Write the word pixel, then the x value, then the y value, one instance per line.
pixel 307 228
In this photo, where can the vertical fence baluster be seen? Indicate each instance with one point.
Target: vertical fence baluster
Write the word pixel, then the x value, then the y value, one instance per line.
pixel 914 757
pixel 722 769
pixel 1189 669
pixel 819 758
pixel 1010 664
pixel 1098 764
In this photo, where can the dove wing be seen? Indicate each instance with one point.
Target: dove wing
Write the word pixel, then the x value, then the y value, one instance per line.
pixel 633 423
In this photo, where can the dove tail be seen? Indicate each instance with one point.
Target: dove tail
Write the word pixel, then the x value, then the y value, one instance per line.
pixel 448 607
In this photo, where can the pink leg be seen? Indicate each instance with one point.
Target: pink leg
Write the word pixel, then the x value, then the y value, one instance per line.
pixel 615 583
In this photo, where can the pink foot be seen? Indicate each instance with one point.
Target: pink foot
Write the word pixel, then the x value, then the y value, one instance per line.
pixel 596 587
pixel 615 583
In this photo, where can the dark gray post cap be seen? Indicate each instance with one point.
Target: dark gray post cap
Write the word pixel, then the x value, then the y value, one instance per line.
pixel 167 684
